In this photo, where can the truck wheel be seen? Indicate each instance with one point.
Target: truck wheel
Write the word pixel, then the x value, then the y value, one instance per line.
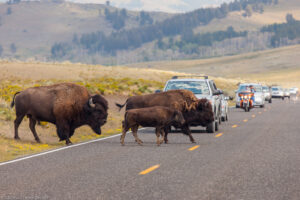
pixel 226 117
pixel 211 128
pixel 217 125
pixel 270 101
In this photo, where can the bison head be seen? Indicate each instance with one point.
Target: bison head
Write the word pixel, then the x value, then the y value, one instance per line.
pixel 96 112
pixel 205 107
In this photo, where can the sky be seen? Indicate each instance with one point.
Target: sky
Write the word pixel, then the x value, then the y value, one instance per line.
pixel 173 6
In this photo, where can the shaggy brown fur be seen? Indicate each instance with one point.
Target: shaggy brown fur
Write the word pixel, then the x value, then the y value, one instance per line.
pixel 182 100
pixel 157 116
pixel 202 116
pixel 66 105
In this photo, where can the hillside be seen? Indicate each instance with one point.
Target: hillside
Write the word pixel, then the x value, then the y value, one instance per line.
pixel 86 33
pixel 279 65
pixel 272 14
pixel 34 26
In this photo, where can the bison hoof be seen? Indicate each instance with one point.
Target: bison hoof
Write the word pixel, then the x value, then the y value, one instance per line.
pixel 166 141
pixel 17 138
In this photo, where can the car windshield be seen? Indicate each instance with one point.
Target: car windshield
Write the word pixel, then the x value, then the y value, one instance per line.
pixel 197 87
pixel 257 88
pixel 275 89
pixel 265 89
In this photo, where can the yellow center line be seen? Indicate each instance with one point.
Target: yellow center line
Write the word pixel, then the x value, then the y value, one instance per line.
pixel 149 170
pixel 245 120
pixel 219 135
pixel 234 126
pixel 265 110
pixel 259 112
pixel 253 116
pixel 194 147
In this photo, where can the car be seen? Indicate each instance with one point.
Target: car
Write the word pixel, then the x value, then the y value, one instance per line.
pixel 294 90
pixel 277 92
pixel 267 93
pixel 224 108
pixel 259 98
pixel 202 87
pixel 287 93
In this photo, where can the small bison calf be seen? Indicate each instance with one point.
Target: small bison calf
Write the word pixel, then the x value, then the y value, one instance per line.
pixel 157 116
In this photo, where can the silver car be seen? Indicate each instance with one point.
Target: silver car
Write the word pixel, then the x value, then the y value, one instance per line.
pixel 267 93
pixel 224 108
pixel 287 93
pixel 277 92
pixel 259 98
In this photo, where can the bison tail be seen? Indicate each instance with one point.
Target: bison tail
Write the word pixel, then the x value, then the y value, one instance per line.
pixel 121 106
pixel 13 101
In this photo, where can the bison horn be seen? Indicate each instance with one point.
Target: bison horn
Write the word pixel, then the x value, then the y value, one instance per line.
pixel 91 103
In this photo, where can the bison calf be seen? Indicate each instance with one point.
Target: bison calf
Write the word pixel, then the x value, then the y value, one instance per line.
pixel 158 117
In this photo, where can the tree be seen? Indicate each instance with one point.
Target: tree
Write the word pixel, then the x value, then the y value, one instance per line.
pixel 289 18
pixel 13 48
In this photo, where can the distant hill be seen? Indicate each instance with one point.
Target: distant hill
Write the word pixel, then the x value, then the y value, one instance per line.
pixel 34 26
pixel 100 34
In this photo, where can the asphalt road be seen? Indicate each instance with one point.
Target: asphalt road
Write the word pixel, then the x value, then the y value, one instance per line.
pixel 255 155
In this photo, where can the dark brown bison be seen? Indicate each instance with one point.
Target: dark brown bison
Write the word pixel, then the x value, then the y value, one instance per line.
pixel 66 105
pixel 201 116
pixel 157 116
pixel 180 100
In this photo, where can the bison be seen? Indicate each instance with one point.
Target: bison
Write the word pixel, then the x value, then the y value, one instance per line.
pixel 157 116
pixel 180 100
pixel 201 116
pixel 66 105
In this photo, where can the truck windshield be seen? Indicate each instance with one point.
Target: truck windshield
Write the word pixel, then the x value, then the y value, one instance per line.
pixel 197 87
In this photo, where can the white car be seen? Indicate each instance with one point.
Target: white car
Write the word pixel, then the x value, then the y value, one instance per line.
pixel 293 90
pixel 277 92
pixel 259 98
pixel 224 108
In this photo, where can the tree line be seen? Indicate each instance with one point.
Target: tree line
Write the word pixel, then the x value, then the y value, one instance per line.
pixel 289 30
pixel 98 42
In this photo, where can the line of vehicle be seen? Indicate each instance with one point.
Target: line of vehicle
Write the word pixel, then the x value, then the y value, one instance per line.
pixel 60 149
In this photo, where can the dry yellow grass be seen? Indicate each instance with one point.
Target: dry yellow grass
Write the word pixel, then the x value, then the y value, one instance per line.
pixel 272 14
pixel 276 65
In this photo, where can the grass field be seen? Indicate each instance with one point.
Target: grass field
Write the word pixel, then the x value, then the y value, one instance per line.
pixel 275 66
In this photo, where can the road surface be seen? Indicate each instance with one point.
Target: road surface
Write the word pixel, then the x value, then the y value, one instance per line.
pixel 255 155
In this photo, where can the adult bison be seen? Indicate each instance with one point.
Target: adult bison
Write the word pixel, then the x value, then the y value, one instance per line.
pixel 66 105
pixel 201 116
pixel 181 100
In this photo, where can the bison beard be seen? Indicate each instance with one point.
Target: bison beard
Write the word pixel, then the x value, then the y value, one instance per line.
pixel 66 105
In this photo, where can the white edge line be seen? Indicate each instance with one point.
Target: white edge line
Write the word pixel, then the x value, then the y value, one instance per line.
pixel 59 149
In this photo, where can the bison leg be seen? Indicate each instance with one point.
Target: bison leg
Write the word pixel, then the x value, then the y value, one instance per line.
pixel 166 131
pixel 124 131
pixel 17 123
pixel 63 132
pixel 162 132
pixel 32 123
pixel 186 130
pixel 134 133
pixel 158 131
